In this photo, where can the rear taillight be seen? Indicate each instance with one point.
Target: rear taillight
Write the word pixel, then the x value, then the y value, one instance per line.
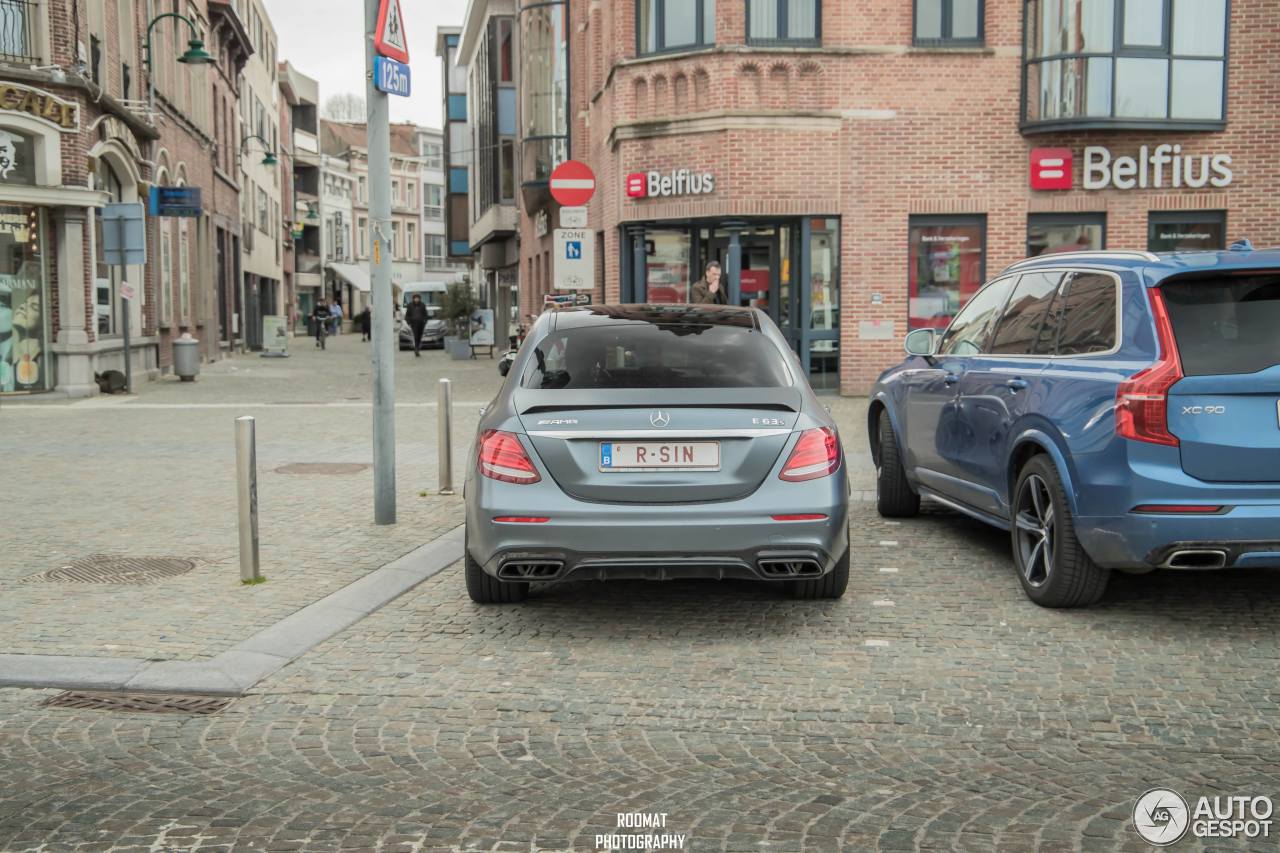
pixel 502 457
pixel 816 454
pixel 1142 400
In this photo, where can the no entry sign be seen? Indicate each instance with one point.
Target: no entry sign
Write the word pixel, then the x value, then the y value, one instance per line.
pixel 573 183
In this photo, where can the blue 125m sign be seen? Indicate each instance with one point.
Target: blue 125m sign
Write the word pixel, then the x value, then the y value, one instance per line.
pixel 390 76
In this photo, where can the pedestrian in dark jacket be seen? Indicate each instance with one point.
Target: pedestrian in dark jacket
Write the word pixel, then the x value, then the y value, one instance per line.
pixel 416 316
pixel 366 324
pixel 710 290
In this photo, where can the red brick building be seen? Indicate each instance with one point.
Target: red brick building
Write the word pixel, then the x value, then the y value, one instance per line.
pixel 861 168
pixel 84 123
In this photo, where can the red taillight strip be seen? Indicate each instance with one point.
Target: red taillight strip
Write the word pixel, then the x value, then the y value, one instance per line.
pixel 501 456
pixel 1142 400
pixel 800 516
pixel 816 454
pixel 522 519
pixel 1179 509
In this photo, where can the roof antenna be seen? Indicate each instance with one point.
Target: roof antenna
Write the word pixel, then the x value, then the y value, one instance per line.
pixel 1242 245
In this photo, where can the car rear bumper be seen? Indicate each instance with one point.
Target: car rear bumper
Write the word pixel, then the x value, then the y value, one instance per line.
pixel 599 541
pixel 1133 474
pixel 1242 537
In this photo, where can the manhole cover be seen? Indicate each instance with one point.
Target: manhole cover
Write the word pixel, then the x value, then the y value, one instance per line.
pixel 322 468
pixel 139 703
pixel 103 568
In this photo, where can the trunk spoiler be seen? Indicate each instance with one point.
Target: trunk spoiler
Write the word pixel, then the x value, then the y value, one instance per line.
pixel 528 401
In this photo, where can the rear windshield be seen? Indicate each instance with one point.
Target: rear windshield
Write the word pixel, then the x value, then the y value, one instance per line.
pixel 656 355
pixel 1225 325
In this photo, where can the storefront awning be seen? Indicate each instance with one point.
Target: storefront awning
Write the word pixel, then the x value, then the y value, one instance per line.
pixel 353 275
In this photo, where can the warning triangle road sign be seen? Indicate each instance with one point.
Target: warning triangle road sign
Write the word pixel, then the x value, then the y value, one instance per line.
pixel 390 39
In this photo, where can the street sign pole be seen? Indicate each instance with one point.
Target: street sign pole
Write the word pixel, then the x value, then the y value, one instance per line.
pixel 384 404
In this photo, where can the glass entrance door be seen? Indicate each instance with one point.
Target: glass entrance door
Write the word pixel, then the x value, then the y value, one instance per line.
pixel 761 267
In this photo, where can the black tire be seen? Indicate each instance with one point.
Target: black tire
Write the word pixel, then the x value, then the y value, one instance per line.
pixel 831 585
pixel 894 496
pixel 484 589
pixel 1069 577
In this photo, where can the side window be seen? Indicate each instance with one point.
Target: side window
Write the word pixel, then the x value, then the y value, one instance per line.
pixel 1024 316
pixel 968 332
pixel 1088 314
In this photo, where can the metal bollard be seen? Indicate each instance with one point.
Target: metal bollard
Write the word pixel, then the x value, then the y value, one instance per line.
pixel 247 487
pixel 444 430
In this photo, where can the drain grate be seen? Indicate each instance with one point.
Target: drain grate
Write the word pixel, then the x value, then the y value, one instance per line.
pixel 322 468
pixel 104 568
pixel 139 703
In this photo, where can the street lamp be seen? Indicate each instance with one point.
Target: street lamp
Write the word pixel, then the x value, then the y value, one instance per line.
pixel 195 53
pixel 270 158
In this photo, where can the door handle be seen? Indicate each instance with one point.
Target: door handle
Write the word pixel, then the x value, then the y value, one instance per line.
pixel 1016 384
pixel 951 378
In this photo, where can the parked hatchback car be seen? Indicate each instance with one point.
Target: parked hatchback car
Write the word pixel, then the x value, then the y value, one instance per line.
pixel 656 442
pixel 1113 411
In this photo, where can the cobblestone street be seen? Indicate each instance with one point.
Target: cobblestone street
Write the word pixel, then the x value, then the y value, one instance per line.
pixel 932 708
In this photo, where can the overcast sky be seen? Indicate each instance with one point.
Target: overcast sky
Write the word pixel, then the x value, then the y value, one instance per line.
pixel 324 39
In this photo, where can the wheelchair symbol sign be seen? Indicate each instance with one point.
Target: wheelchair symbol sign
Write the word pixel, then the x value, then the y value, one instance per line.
pixel 573 249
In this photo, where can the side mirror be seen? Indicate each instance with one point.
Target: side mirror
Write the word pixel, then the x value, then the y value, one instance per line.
pixel 921 342
pixel 504 367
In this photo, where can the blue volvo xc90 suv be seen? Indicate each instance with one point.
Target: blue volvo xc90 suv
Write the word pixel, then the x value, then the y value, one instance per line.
pixel 1112 410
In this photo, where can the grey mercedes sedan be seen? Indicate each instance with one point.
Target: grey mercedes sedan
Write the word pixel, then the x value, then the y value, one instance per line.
pixel 656 442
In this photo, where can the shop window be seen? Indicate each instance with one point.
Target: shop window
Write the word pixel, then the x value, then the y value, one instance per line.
pixel 674 25
pixel 948 22
pixel 1187 231
pixel 25 364
pixel 17 158
pixel 1126 63
pixel 184 272
pixel 1048 233
pixel 667 268
pixel 824 275
pixel 166 272
pixel 946 266
pixel 773 21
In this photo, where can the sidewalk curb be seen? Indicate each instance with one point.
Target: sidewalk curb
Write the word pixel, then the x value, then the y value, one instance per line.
pixel 235 671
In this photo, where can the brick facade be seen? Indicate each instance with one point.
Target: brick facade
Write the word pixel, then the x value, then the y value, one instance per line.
pixel 873 130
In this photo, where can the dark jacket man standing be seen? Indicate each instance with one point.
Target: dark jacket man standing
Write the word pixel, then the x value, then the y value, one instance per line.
pixel 709 290
pixel 416 316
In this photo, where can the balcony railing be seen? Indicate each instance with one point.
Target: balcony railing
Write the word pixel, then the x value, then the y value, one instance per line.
pixel 433 211
pixel 18 31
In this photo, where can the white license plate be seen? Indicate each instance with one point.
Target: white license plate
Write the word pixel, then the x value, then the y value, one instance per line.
pixel 659 456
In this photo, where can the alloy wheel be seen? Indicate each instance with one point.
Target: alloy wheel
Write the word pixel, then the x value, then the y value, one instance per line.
pixel 1035 530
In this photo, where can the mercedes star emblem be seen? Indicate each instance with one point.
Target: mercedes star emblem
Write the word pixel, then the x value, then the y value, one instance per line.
pixel 659 418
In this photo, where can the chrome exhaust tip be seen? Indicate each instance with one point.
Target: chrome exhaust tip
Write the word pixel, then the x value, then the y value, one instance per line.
pixel 793 568
pixel 1196 558
pixel 527 570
